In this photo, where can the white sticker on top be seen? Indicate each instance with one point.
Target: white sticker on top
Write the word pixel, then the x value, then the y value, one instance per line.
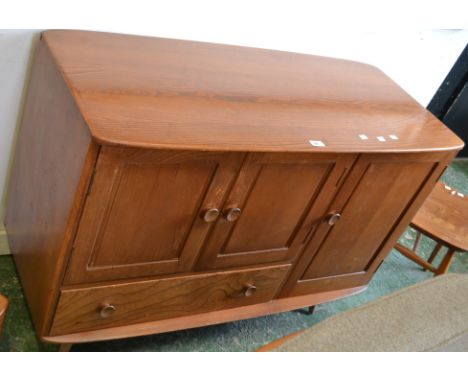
pixel 381 139
pixel 394 137
pixel 364 137
pixel 317 143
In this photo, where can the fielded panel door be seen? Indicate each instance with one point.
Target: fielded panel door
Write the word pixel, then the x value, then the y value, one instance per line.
pixel 273 207
pixel 146 212
pixel 374 206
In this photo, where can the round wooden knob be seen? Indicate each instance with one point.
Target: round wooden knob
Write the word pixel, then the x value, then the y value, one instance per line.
pixel 232 214
pixel 210 215
pixel 333 218
pixel 107 310
pixel 249 290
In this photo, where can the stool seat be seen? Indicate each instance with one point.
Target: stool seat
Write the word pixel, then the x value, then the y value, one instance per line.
pixel 444 217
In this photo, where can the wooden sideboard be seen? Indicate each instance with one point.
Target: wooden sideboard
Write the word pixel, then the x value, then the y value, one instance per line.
pixel 162 184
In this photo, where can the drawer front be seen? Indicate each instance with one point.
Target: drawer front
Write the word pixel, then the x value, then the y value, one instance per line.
pixel 115 305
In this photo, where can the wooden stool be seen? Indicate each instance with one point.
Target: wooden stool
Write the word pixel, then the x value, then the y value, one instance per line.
pixel 444 218
pixel 3 310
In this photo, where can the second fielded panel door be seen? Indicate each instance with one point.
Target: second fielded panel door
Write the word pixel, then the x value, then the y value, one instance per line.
pixel 274 204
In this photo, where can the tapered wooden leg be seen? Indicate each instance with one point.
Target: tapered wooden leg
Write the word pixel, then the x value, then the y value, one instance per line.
pixel 416 241
pixel 434 253
pixel 65 347
pixel 445 264
pixel 412 256
pixel 308 311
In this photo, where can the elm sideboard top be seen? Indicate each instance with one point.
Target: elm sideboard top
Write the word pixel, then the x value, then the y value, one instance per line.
pixel 192 95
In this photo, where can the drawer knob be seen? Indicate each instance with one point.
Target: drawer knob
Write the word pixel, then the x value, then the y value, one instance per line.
pixel 333 218
pixel 232 214
pixel 107 310
pixel 210 215
pixel 250 290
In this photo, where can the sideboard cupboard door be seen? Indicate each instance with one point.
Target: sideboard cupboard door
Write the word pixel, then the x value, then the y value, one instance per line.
pixel 273 207
pixel 148 212
pixel 374 206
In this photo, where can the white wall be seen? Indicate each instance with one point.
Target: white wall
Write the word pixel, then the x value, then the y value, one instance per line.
pixel 15 55
pixel 418 61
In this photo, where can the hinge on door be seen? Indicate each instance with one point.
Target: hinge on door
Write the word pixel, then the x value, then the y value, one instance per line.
pixel 91 182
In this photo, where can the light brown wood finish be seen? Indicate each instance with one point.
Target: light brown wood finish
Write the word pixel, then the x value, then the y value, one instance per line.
pixel 281 198
pixel 50 172
pixel 82 309
pixel 203 319
pixel 236 98
pixel 153 173
pixel 144 213
pixel 443 217
pixel 378 200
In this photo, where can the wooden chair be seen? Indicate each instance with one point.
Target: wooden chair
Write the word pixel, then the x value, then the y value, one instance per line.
pixel 444 218
pixel 3 310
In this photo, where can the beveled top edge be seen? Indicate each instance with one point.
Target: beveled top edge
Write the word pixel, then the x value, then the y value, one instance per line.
pixel 173 94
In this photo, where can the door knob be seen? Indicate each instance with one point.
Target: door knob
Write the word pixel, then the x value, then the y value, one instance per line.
pixel 250 290
pixel 210 215
pixel 232 214
pixel 107 310
pixel 333 218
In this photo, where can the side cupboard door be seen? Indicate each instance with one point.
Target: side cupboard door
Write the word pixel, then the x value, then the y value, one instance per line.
pixel 146 212
pixel 273 207
pixel 381 195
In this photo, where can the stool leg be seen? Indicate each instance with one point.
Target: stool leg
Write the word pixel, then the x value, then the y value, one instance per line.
pixel 416 241
pixel 414 257
pixel 445 264
pixel 434 253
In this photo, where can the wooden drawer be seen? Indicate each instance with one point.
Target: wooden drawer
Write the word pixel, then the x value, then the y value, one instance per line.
pixel 100 307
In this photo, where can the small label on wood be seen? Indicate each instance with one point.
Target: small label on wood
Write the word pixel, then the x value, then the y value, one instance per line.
pixel 317 143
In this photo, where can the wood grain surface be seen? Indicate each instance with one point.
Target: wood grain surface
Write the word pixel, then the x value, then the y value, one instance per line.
pixel 444 216
pixel 53 161
pixel 281 198
pixel 377 203
pixel 143 215
pixel 163 93
pixel 162 184
pixel 79 309
pixel 203 319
